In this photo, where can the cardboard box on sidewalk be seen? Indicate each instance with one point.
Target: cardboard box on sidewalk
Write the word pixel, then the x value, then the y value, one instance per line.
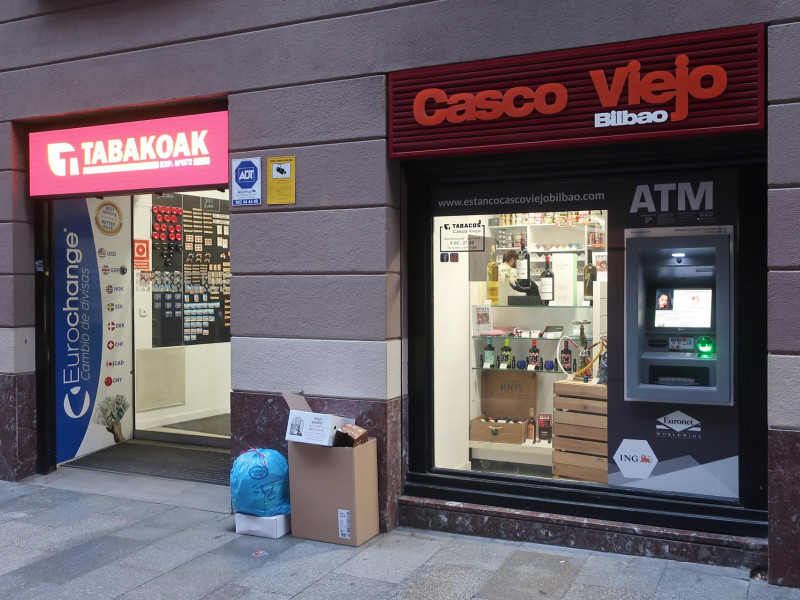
pixel 269 527
pixel 334 492
pixel 309 427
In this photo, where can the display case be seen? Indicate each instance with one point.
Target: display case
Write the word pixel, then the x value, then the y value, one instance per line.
pixel 499 350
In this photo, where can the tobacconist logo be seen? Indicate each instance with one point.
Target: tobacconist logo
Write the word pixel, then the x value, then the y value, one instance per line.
pixel 678 425
pixel 635 459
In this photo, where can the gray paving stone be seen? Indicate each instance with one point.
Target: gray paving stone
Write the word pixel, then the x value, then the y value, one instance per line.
pixel 73 562
pixel 443 582
pixel 299 567
pixel 14 557
pixel 13 532
pixel 527 575
pixel 391 558
pixel 25 586
pixel 180 547
pixel 579 591
pixel 688 584
pixel 75 533
pixel 761 590
pixel 124 507
pixel 622 572
pixel 338 587
pixel 474 554
pixel 240 592
pixel 109 581
pixel 736 572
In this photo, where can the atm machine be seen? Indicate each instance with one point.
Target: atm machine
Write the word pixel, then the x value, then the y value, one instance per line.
pixel 679 315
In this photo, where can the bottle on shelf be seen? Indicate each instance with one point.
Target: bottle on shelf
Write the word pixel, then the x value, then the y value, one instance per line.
pixel 534 358
pixel 523 265
pixel 546 283
pixel 505 354
pixel 491 278
pixel 530 434
pixel 488 355
pixel 566 357
pixel 589 277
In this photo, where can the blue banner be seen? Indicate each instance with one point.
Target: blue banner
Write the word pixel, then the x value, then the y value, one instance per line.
pixel 78 324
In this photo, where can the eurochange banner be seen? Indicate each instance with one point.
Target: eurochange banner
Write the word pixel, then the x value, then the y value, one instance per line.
pixel 93 331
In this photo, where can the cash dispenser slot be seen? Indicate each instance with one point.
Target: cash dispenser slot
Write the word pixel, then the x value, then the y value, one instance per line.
pixel 678 324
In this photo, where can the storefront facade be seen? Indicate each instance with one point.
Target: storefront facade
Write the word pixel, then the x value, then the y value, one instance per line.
pixel 337 295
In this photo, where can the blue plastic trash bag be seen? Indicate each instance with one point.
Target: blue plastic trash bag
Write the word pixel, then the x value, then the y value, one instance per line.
pixel 260 483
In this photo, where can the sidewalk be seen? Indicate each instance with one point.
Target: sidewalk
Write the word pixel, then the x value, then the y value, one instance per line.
pixel 134 537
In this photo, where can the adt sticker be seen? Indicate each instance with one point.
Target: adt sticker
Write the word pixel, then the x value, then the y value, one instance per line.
pixel 246 177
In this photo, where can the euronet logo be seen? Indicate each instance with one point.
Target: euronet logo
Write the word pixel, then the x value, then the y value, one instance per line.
pixel 142 153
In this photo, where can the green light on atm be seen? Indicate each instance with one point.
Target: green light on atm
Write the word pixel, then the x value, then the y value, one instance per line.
pixel 705 346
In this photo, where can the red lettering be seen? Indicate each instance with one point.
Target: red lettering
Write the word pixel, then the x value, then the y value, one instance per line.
pixel 421 100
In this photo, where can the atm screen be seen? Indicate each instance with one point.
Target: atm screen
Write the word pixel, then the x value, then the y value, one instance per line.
pixel 682 308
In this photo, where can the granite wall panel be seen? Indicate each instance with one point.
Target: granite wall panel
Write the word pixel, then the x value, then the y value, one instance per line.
pixel 784 507
pixel 17 426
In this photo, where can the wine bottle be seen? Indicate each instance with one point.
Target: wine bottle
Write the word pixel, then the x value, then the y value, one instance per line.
pixel 589 277
pixel 505 354
pixel 491 278
pixel 566 357
pixel 523 264
pixel 546 282
pixel 488 355
pixel 531 429
pixel 534 358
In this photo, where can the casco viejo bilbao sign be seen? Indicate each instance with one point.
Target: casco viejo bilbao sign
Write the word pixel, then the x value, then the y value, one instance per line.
pixel 153 154
pixel 661 87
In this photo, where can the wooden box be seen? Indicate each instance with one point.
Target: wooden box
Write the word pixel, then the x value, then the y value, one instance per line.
pixel 501 433
pixel 508 393
pixel 580 431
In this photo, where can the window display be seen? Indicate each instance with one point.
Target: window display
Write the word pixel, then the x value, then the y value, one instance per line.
pixel 509 322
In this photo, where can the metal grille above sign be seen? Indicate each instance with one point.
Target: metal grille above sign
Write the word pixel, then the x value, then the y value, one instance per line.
pixel 707 82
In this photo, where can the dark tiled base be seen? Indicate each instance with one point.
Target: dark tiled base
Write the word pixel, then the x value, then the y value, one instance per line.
pixel 17 426
pixel 784 507
pixel 259 420
pixel 589 534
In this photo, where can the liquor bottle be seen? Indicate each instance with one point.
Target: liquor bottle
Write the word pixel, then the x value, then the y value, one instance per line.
pixel 534 358
pixel 523 264
pixel 530 434
pixel 488 355
pixel 589 277
pixel 491 279
pixel 566 357
pixel 546 282
pixel 505 354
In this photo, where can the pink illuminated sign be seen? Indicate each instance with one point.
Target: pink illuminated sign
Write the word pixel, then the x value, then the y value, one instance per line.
pixel 156 154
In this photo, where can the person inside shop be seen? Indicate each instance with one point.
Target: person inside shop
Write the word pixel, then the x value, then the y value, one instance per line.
pixel 663 302
pixel 508 270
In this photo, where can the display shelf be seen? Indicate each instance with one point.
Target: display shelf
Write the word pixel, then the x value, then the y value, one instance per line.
pixel 554 371
pixel 542 251
pixel 540 453
pixel 540 307
pixel 574 337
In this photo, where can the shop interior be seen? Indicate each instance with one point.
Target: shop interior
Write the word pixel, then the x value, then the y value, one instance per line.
pixel 182 317
pixel 520 314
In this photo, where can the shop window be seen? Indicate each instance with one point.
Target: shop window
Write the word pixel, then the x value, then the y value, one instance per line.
pixel 520 311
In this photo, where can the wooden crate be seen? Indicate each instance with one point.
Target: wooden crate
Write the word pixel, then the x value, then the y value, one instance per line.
pixel 580 431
